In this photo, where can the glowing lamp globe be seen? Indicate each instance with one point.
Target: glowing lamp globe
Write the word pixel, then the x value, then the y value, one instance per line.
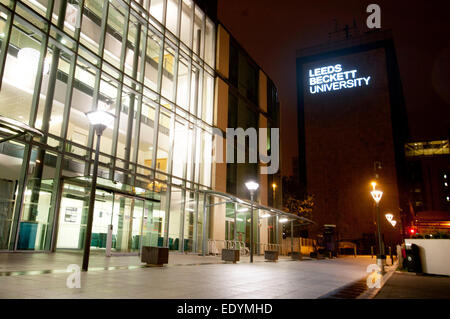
pixel 252 186
pixel 376 195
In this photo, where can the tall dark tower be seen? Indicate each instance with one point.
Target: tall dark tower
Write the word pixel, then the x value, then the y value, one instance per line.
pixel 352 130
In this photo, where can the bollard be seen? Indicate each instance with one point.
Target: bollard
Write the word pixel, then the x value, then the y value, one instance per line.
pixel 392 256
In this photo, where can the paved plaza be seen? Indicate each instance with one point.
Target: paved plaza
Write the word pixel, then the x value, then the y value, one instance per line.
pixel 411 286
pixel 186 276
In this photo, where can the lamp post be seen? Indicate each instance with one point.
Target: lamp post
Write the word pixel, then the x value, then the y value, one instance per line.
pixel 252 187
pixel 275 229
pixel 100 121
pixel 376 195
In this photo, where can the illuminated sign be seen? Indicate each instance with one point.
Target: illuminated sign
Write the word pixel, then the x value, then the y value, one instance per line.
pixel 334 78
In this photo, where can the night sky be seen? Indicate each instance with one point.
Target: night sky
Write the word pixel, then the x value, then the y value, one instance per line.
pixel 272 32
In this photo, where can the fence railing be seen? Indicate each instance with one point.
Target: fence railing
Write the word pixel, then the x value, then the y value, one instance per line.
pixel 215 247
pixel 299 244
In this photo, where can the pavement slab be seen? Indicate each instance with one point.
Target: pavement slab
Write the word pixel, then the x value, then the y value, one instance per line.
pixel 218 280
pixel 411 286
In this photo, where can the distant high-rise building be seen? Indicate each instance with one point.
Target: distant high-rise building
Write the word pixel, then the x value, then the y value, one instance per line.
pixel 428 164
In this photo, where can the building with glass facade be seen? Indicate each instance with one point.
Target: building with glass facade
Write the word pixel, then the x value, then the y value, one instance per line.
pixel 171 75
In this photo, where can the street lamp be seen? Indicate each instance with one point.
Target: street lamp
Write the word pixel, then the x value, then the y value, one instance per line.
pixel 252 187
pixel 100 120
pixel 376 195
pixel 389 217
pixel 275 230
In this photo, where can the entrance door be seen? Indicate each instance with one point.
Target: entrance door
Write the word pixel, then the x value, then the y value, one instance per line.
pixel 229 229
pixel 152 230
pixel 127 224
pixel 124 213
pixel 73 218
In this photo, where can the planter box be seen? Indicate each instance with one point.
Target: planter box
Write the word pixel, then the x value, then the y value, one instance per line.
pixel 296 255
pixel 434 255
pixel 155 255
pixel 271 255
pixel 230 255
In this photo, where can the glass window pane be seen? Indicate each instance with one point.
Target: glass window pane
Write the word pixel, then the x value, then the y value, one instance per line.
pixel 248 78
pixel 35 224
pixel 39 6
pixel 210 36
pixel 12 156
pixel 191 153
pixel 176 205
pixel 4 18
pixel 20 73
pixel 172 16
pixel 73 17
pixel 186 23
pixel 133 34
pixel 82 101
pixel 154 43
pixel 146 133
pixel 114 34
pixel 180 149
pixel 189 212
pixel 157 9
pixel 198 46
pixel 164 140
pixel 168 80
pixel 128 103
pixel 208 98
pixel 91 24
pixel 196 90
pixel 29 16
pixel 205 160
pixel 58 101
pixel 152 232
pixel 106 99
pixel 183 83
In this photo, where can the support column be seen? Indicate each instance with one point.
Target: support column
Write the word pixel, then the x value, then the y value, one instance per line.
pixel 204 241
pixel 195 231
pixel 235 221
pixel 292 237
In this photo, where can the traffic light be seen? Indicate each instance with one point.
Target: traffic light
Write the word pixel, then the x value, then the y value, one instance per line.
pixel 284 231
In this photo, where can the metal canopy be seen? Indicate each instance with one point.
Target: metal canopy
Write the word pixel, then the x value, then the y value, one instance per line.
pixel 233 199
pixel 16 128
pixel 115 187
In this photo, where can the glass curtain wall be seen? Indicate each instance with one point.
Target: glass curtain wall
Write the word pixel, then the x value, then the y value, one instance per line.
pixel 150 63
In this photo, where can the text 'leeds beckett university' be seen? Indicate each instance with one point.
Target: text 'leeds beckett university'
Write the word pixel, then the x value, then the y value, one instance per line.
pixel 333 78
